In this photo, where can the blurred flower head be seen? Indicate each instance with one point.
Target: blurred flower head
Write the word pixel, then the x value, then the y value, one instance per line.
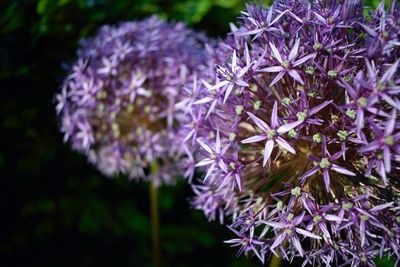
pixel 296 126
pixel 117 104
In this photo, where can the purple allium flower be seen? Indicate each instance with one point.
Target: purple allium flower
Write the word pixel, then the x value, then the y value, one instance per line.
pixel 117 105
pixel 295 124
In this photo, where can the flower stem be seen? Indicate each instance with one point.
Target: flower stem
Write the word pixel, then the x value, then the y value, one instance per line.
pixel 155 221
pixel 275 261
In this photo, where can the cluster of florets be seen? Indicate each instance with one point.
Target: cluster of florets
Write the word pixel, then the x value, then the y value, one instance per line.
pixel 296 126
pixel 117 105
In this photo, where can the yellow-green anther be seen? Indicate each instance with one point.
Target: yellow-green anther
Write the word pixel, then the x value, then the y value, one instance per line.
pixel 348 78
pixel 380 86
pixel 317 218
pixel 101 95
pixel 101 107
pixel 332 74
pixel 364 217
pixel 312 94
pixel 271 133
pixel 286 101
pixel 347 205
pixel 301 115
pixel 232 165
pixel 139 131
pixel 232 137
pixel 324 163
pixel 296 191
pixel 238 92
pixel 342 135
pixel 115 129
pixel 239 109
pixel 292 133
pixel 389 140
pixel 257 105
pixel 363 258
pixel 385 34
pixel 130 108
pixel 147 109
pixel 310 70
pixel 285 64
pixel 317 137
pixel 363 102
pixel 390 233
pixel 351 113
pixel 317 46
pixel 253 88
pixel 290 217
pixel 334 118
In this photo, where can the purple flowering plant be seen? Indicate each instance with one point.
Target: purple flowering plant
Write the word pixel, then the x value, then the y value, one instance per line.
pixel 295 123
pixel 117 105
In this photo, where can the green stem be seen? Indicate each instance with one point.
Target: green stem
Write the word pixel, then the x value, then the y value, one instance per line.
pixel 275 261
pixel 155 221
pixel 155 224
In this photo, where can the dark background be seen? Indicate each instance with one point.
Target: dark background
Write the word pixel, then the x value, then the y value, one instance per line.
pixel 56 210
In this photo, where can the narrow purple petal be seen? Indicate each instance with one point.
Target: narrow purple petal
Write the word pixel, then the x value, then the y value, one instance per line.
pixel 275 52
pixel 307 233
pixel 381 207
pixel 390 72
pixel 234 61
pixel 342 170
pixel 228 91
pixel 274 116
pixel 295 75
pixel 260 123
pixel 219 85
pixel 316 109
pixel 327 180
pixel 294 50
pixel 390 123
pixel 285 145
pixel 254 139
pixel 308 173
pixel 369 30
pixel 387 159
pixel 209 171
pixel 218 143
pixel 204 162
pixel 272 69
pixel 204 146
pixel 287 127
pixel 303 59
pixel 278 241
pixel 277 78
pixel 269 146
pixel 296 243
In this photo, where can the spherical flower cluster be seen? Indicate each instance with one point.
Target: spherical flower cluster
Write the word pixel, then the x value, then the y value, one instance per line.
pixel 296 125
pixel 117 105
